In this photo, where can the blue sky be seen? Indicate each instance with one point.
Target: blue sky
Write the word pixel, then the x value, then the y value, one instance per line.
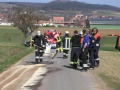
pixel 108 2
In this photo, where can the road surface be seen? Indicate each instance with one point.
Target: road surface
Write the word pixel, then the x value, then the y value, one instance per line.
pixel 52 74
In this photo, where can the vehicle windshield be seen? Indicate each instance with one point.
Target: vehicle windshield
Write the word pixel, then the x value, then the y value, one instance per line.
pixel 49 36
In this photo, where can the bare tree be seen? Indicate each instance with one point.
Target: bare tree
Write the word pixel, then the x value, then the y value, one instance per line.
pixel 26 21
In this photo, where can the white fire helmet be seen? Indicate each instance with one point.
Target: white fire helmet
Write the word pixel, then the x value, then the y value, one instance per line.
pixel 38 33
pixel 81 32
pixel 67 32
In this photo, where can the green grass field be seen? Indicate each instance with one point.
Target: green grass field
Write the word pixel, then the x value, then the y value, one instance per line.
pixel 10 49
pixel 10 36
pixel 106 26
pixel 108 43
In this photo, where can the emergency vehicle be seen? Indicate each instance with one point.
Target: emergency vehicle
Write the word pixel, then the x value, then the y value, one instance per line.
pixel 50 37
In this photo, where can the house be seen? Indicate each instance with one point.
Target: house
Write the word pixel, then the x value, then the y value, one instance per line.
pixel 58 19
pixel 55 21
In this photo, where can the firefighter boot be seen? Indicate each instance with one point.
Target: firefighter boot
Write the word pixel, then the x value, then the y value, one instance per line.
pixel 66 56
pixel 84 69
pixel 81 64
pixel 36 61
pixel 63 56
pixel 75 66
pixel 41 60
pixel 97 63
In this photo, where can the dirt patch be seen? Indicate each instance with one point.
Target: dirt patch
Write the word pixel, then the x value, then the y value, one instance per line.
pixel 103 32
pixel 17 76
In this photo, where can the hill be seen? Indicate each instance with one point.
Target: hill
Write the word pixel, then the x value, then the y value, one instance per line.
pixel 30 4
pixel 6 5
pixel 74 5
pixel 63 6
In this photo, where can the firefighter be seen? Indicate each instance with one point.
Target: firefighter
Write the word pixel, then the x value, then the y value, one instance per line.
pixel 97 41
pixel 92 46
pixel 75 51
pixel 39 43
pixel 57 37
pixel 84 52
pixel 66 44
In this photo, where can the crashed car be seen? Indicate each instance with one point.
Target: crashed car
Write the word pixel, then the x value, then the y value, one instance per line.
pixel 50 38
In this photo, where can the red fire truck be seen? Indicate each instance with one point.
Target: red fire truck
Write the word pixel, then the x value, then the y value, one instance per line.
pixel 50 37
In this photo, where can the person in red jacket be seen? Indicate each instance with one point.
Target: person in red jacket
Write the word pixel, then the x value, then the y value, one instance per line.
pixel 96 35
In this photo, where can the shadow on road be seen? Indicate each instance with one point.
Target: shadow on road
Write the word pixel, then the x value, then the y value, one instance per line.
pixel 68 66
pixel 44 62
pixel 60 57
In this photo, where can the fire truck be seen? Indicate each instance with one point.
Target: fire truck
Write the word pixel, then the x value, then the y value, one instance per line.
pixel 50 37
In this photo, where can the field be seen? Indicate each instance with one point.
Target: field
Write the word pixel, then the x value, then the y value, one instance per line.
pixel 10 49
pixel 106 26
pixel 11 52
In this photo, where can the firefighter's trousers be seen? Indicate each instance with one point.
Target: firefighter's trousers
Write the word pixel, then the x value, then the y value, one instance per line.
pixel 96 57
pixel 38 54
pixel 59 47
pixel 65 53
pixel 75 52
pixel 84 58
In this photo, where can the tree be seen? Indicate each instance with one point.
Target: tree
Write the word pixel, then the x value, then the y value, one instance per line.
pixel 26 21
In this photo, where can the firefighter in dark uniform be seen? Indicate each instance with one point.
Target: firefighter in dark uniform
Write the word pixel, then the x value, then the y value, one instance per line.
pixel 92 46
pixel 39 43
pixel 57 37
pixel 97 41
pixel 75 51
pixel 84 49
pixel 66 44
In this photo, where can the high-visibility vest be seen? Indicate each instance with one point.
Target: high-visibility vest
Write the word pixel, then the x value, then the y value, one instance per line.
pixel 67 43
pixel 81 40
pixel 96 36
pixel 58 39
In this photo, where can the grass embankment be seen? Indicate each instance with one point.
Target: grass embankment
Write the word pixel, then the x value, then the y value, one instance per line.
pixel 10 49
pixel 109 69
pixel 9 55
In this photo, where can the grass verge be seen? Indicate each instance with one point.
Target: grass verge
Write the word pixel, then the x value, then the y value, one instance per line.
pixel 11 54
pixel 109 69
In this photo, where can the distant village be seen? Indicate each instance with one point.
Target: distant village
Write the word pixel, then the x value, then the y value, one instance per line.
pixel 77 20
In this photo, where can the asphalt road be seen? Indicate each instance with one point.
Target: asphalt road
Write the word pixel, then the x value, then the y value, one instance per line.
pixel 51 74
pixel 60 76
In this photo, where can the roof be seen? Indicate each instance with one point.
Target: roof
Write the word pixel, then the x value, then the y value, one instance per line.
pixel 104 19
pixel 58 18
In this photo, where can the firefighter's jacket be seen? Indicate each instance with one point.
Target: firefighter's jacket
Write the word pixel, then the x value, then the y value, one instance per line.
pixel 117 46
pixel 75 40
pixel 57 38
pixel 39 41
pixel 92 43
pixel 66 42
pixel 97 40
